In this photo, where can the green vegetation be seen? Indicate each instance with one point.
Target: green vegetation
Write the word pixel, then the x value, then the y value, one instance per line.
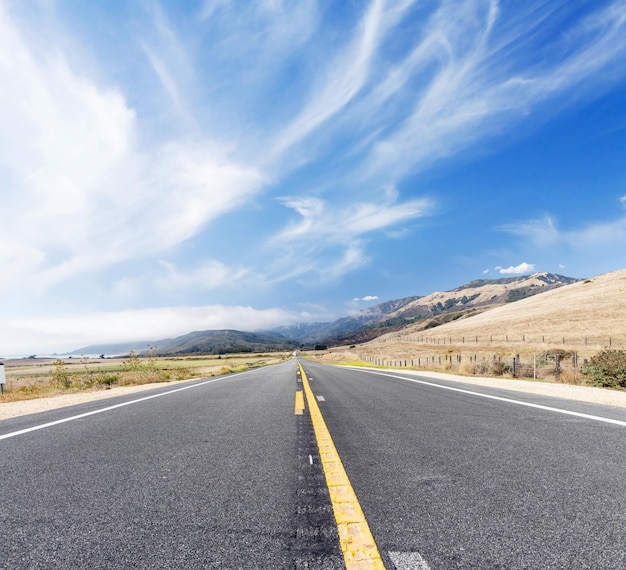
pixel 61 376
pixel 607 369
pixel 26 381
pixel 518 294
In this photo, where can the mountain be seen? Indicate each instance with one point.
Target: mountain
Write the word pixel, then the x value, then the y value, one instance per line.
pixel 426 312
pixel 587 313
pixel 477 296
pixel 361 325
pixel 418 312
pixel 226 341
pixel 199 342
pixel 117 348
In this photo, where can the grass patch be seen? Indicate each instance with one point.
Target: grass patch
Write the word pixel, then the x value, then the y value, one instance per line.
pixel 26 380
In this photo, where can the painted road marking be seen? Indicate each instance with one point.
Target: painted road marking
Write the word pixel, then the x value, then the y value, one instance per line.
pixel 408 561
pixel 320 398
pixel 109 408
pixel 357 543
pixel 299 406
pixel 499 398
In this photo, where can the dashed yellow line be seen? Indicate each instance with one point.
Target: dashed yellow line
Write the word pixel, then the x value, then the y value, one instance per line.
pixel 299 406
pixel 357 543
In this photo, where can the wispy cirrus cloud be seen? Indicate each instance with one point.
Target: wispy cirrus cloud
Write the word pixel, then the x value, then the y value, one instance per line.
pixel 89 195
pixel 460 78
pixel 173 280
pixel 204 276
pixel 337 233
pixel 114 158
pixel 468 78
pixel 170 61
pixel 596 243
pixel 346 75
pixel 540 231
pixel 343 223
pixel 545 232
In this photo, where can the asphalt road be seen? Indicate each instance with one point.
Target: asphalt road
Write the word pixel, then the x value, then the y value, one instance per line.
pixel 455 480
pixel 222 474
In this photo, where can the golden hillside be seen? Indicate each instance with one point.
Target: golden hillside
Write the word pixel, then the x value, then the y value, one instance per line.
pixel 585 316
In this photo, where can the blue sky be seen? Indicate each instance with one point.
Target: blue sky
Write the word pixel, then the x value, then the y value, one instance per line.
pixel 176 166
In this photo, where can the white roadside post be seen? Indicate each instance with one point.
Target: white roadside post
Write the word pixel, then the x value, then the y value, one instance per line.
pixel 2 378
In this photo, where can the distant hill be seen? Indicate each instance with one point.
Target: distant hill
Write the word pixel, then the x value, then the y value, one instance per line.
pixel 426 312
pixel 477 296
pixel 420 313
pixel 199 342
pixel 117 348
pixel 361 326
pixel 592 310
pixel 226 341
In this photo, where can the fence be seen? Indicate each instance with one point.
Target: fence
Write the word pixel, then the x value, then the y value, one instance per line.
pixel 591 342
pixel 545 365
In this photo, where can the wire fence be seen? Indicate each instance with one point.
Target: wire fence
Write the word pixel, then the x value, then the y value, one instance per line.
pixel 580 342
pixel 555 365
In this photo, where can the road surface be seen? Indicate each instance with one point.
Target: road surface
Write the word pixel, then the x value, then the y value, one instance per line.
pixel 222 473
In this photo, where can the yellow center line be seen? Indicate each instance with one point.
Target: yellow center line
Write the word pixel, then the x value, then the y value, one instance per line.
pixel 357 543
pixel 299 406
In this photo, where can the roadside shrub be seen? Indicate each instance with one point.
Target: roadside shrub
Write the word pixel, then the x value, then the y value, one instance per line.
pixel 548 356
pixel 61 375
pixel 133 363
pixel 499 368
pixel 607 369
pixel 108 379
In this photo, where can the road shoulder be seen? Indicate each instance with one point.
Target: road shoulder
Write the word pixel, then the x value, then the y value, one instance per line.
pixel 588 394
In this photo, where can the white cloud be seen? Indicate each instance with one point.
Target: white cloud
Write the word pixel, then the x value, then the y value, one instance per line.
pixel 542 231
pixel 329 239
pixel 61 333
pixel 339 224
pixel 148 204
pixel 173 280
pixel 623 200
pixel 545 233
pixel 366 298
pixel 81 193
pixel 585 248
pixel 204 276
pixel 352 258
pixel 517 269
pixel 344 78
pixel 467 77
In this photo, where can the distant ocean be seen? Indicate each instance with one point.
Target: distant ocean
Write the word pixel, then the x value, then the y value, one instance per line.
pixel 38 356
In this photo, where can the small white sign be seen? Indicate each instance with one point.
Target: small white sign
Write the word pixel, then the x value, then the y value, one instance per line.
pixel 2 377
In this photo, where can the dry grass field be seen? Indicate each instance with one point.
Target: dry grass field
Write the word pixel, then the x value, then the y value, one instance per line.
pixel 37 378
pixel 575 321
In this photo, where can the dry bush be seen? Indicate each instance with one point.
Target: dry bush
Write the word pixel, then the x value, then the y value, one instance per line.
pixel 607 369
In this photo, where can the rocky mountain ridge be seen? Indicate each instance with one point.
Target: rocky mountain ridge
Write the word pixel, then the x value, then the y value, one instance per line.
pixel 420 312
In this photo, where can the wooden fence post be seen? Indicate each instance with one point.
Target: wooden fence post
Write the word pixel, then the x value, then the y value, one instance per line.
pixel 557 366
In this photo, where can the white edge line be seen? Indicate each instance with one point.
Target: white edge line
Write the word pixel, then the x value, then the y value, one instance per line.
pixel 499 398
pixel 109 408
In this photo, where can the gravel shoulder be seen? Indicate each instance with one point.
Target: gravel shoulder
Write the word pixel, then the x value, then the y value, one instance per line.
pixel 566 391
pixel 25 407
